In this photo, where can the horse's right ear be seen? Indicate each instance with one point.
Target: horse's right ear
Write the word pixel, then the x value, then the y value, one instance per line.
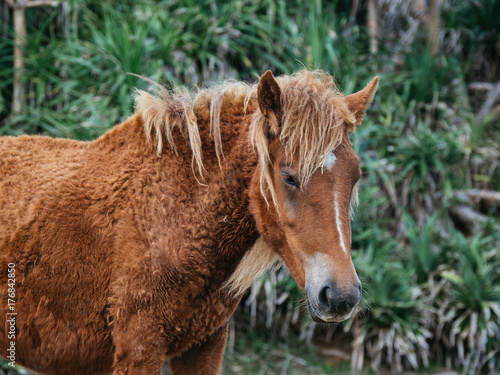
pixel 269 98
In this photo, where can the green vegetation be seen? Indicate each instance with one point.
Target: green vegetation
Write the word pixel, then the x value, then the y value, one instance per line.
pixel 425 242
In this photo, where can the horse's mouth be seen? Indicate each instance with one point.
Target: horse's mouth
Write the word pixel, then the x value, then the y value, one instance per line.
pixel 320 317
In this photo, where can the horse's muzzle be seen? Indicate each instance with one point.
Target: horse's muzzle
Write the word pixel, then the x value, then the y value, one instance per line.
pixel 329 303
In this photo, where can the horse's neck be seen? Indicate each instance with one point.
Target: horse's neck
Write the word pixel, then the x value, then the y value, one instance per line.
pixel 183 215
pixel 235 225
pixel 215 203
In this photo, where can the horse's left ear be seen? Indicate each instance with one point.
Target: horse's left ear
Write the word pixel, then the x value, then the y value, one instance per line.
pixel 359 102
pixel 269 98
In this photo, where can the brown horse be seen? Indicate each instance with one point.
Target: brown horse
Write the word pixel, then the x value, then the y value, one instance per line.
pixel 120 253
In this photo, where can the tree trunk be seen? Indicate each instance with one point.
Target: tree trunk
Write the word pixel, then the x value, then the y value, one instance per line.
pixel 19 41
pixel 373 29
pixel 19 7
pixel 434 25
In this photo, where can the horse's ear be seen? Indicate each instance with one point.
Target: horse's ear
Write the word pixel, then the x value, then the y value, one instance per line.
pixel 269 98
pixel 359 102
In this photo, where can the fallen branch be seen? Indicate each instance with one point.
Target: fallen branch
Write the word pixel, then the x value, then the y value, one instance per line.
pixel 480 86
pixel 30 4
pixel 491 99
pixel 332 352
pixel 471 219
pixel 39 3
pixel 489 197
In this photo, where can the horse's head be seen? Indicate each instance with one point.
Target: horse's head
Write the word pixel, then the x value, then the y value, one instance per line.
pixel 301 192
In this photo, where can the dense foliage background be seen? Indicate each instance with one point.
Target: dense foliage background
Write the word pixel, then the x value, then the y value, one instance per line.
pixel 426 234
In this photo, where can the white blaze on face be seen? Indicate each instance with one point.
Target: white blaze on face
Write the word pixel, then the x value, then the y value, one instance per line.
pixel 338 222
pixel 329 163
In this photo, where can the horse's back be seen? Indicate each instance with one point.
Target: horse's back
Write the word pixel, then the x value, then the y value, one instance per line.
pixel 34 171
pixel 48 232
pixel 30 167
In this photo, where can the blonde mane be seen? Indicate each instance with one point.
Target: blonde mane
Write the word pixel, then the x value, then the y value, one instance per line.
pixel 165 112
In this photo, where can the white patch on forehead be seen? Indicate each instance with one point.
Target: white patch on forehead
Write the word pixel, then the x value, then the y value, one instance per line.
pixel 330 161
pixel 338 222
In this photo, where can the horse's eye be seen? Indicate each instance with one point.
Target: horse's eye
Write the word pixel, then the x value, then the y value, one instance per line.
pixel 289 179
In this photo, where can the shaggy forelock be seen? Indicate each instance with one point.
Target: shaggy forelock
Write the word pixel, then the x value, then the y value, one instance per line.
pixel 315 117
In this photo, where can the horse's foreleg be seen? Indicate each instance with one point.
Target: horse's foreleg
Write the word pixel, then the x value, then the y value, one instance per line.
pixel 128 361
pixel 204 358
pixel 138 368
pixel 136 350
pixel 148 366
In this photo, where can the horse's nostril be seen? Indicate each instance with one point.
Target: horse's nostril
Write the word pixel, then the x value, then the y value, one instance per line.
pixel 326 297
pixel 360 289
pixel 338 302
pixel 344 307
